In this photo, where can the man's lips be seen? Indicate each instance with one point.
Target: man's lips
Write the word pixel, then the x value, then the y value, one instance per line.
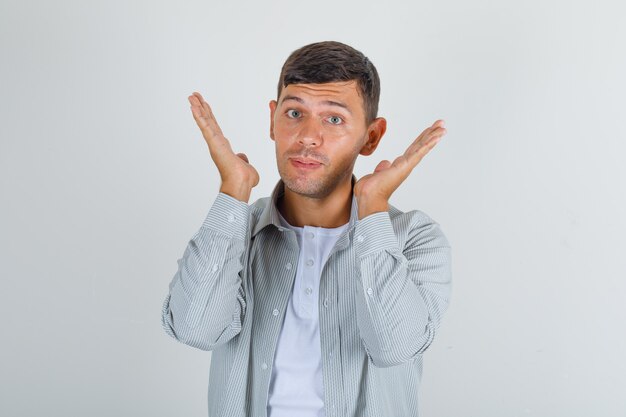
pixel 305 163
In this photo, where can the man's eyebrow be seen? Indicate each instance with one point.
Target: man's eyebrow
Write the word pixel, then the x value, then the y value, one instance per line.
pixel 328 102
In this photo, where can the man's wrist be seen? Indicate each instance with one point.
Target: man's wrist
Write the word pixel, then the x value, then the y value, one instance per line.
pixel 367 207
pixel 239 191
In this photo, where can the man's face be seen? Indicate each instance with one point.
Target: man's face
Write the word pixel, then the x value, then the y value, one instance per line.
pixel 319 130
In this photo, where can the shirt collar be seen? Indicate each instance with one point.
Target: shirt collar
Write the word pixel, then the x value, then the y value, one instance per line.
pixel 269 215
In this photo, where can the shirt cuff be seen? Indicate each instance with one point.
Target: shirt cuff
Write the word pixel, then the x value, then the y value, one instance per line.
pixel 374 233
pixel 228 216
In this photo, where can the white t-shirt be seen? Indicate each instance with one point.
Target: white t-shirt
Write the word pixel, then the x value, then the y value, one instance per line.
pixel 296 386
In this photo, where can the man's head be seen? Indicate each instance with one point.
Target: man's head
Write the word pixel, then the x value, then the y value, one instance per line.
pixel 326 111
pixel 329 61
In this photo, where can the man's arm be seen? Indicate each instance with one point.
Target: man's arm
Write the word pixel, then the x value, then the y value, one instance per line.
pixel 404 292
pixel 206 301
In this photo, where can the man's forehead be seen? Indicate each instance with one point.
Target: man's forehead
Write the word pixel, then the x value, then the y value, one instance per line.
pixel 345 92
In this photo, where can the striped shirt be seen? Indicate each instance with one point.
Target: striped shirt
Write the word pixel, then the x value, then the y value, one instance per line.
pixel 382 294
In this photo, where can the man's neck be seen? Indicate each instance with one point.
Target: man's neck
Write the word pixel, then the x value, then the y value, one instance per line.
pixel 329 212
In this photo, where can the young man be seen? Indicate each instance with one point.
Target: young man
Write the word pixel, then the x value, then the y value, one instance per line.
pixel 320 299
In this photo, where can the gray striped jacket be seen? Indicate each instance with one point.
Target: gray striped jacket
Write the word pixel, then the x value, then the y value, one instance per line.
pixel 382 294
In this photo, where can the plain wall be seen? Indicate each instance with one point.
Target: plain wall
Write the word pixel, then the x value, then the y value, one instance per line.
pixel 105 177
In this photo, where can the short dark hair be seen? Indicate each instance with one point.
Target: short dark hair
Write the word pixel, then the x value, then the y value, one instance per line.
pixel 330 61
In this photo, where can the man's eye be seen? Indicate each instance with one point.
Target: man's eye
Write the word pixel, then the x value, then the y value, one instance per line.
pixel 335 120
pixel 293 113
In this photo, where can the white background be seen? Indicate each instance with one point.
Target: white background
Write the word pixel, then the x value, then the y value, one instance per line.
pixel 104 177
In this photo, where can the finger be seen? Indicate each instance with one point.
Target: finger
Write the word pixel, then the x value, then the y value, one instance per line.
pixel 431 141
pixel 421 146
pixel 204 104
pixel 198 111
pixel 204 115
pixel 425 139
pixel 382 165
pixel 195 102
pixel 438 124
pixel 201 102
pixel 196 98
pixel 219 146
pixel 243 156
pixel 426 147
pixel 414 158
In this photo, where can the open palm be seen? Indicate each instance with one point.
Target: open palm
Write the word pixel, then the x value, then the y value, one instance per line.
pixel 233 168
pixel 388 176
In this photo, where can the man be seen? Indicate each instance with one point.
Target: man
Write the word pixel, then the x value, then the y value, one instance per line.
pixel 320 299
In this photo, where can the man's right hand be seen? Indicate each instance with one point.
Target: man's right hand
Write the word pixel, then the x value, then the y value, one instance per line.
pixel 238 176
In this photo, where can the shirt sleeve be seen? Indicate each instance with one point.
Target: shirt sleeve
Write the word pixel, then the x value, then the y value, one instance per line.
pixel 206 301
pixel 404 291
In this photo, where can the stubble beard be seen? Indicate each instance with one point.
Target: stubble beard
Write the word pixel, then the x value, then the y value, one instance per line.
pixel 316 187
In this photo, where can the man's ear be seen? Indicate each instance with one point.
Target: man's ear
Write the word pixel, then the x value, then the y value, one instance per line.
pixel 375 132
pixel 273 104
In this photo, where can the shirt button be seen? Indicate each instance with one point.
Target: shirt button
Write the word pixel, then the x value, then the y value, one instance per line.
pixel 360 238
pixel 288 265
pixel 309 290
pixel 215 267
pixel 280 229
pixel 325 303
pixel 370 291
pixel 264 366
pixel 275 312
pixel 309 262
pixel 231 218
pixel 311 235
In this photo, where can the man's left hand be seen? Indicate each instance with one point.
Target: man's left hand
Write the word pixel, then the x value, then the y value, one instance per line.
pixel 373 190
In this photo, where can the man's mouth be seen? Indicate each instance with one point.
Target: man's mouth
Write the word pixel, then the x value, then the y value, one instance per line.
pixel 305 163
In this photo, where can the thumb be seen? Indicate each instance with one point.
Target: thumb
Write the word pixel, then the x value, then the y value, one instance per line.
pixel 243 156
pixel 382 165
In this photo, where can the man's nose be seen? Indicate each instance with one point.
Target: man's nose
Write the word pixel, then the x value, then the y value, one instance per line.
pixel 311 133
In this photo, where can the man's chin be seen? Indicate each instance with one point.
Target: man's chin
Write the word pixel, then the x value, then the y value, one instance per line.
pixel 306 187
